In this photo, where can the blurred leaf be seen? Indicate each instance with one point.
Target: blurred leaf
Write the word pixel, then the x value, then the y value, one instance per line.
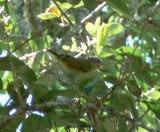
pixel 36 123
pixel 64 90
pixel 7 77
pixel 129 50
pixel 68 117
pixel 147 78
pixel 97 22
pixel 102 35
pixel 155 95
pixel 122 126
pixel 46 15
pixel 66 5
pixel 39 43
pixel 13 88
pixel 71 18
pixel 134 88
pixel 44 92
pixel 123 34
pixel 39 92
pixel 120 7
pixel 15 65
pixel 146 35
pixel 91 28
pixel 54 10
pixel 110 127
pixel 92 85
pixel 2 1
pixel 123 102
pixel 13 124
pixel 1 84
pixel 104 52
pixel 111 79
pixel 28 76
pixel 74 2
pixel 114 28
pixel 89 4
pixel 44 82
pixel 154 106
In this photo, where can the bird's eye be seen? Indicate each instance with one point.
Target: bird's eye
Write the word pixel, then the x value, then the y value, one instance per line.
pixel 99 60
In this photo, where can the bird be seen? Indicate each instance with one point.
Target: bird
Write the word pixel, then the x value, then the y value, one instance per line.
pixel 77 65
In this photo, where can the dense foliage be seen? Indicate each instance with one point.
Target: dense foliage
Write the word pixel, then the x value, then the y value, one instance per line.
pixel 122 95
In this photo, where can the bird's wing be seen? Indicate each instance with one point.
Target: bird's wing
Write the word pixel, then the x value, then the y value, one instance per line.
pixel 76 64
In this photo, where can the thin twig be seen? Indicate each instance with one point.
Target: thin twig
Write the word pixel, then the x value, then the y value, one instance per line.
pixel 33 19
pixel 137 45
pixel 80 35
pixel 132 127
pixel 14 75
pixel 8 119
pixel 19 46
pixel 93 13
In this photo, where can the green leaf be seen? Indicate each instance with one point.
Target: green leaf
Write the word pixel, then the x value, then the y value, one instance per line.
pixel 67 5
pixel 36 123
pixel 134 88
pixel 28 76
pixel 154 106
pixel 44 92
pixel 129 50
pixel 91 29
pixel 155 95
pixel 120 7
pixel 44 82
pixel 92 85
pixel 1 84
pixel 39 43
pixel 74 2
pixel 114 28
pixel 69 117
pixel 38 92
pixel 13 124
pixel 122 126
pixel 47 16
pixel 123 102
pixel 104 52
pixel 64 89
pixel 102 35
pixel 2 1
pixel 15 65
pixel 111 79
pixel 148 36
pixel 89 3
pixel 7 77
pixel 147 78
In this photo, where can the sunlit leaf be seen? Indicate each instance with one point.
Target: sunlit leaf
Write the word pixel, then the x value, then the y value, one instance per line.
pixel 91 29
pixel 102 35
pixel 46 15
pixel 115 28
pixel 153 105
pixel 54 10
pixel 129 50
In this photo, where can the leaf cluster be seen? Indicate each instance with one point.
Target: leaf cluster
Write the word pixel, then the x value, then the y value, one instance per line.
pixel 123 95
